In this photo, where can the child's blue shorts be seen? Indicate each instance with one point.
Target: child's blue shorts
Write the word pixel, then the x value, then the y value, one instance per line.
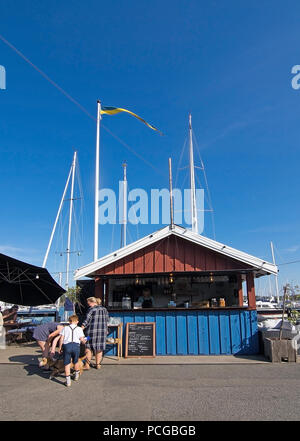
pixel 71 353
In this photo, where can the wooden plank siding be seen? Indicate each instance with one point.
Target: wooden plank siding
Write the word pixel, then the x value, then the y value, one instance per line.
pixel 172 254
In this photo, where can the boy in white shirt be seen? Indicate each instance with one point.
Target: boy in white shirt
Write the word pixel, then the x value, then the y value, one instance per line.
pixel 70 339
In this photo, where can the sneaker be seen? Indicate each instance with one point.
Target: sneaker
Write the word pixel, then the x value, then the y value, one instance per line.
pixel 68 381
pixel 77 375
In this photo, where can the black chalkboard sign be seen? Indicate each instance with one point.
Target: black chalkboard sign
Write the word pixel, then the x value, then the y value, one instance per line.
pixel 140 340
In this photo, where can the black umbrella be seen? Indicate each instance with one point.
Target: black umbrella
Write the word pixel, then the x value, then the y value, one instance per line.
pixel 25 284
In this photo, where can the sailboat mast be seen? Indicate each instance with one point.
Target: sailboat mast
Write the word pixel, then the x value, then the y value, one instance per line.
pixel 276 276
pixel 171 193
pixel 57 217
pixel 96 225
pixel 192 181
pixel 70 220
pixel 124 221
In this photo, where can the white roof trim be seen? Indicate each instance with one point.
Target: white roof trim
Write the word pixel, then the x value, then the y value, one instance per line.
pixel 260 265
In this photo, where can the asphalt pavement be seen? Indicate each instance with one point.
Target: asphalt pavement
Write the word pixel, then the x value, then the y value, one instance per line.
pixel 119 392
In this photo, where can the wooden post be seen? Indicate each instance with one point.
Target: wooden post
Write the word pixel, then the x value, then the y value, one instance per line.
pixel 251 291
pixel 106 283
pixel 99 288
pixel 240 290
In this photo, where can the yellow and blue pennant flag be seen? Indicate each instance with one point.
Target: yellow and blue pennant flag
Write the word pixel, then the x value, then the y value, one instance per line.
pixel 115 110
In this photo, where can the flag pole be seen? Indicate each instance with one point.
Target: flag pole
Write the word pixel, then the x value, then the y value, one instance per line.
pixel 96 226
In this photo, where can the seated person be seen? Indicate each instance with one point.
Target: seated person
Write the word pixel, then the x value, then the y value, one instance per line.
pixel 10 315
pixel 146 299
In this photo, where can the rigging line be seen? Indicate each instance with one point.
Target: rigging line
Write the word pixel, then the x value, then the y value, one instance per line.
pixel 74 101
pixel 288 263
pixel 199 181
pixel 180 160
pixel 77 239
pixel 137 224
pixel 200 184
pixel 208 192
pixel 82 200
pixel 59 236
pixel 60 262
pixel 63 272
pixel 132 150
pixel 113 230
pixel 64 222
pixel 186 176
pixel 203 169
pixel 276 249
pixel 46 76
pixel 129 234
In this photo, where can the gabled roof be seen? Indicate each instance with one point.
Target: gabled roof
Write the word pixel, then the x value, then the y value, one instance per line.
pixel 262 267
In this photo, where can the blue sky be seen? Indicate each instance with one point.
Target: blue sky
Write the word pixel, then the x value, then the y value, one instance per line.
pixel 226 63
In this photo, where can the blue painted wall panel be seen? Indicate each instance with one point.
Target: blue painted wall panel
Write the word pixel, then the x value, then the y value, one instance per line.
pixel 171 333
pixel 235 330
pixel 254 343
pixel 225 332
pixel 247 316
pixel 192 333
pixel 128 317
pixel 243 349
pixel 198 332
pixel 161 343
pixel 139 317
pixel 181 333
pixel 214 333
pixel 149 316
pixel 203 333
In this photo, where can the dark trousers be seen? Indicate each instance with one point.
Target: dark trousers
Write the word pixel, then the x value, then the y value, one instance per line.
pixel 71 353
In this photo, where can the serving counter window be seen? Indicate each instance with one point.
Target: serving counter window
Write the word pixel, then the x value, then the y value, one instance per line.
pixel 171 290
